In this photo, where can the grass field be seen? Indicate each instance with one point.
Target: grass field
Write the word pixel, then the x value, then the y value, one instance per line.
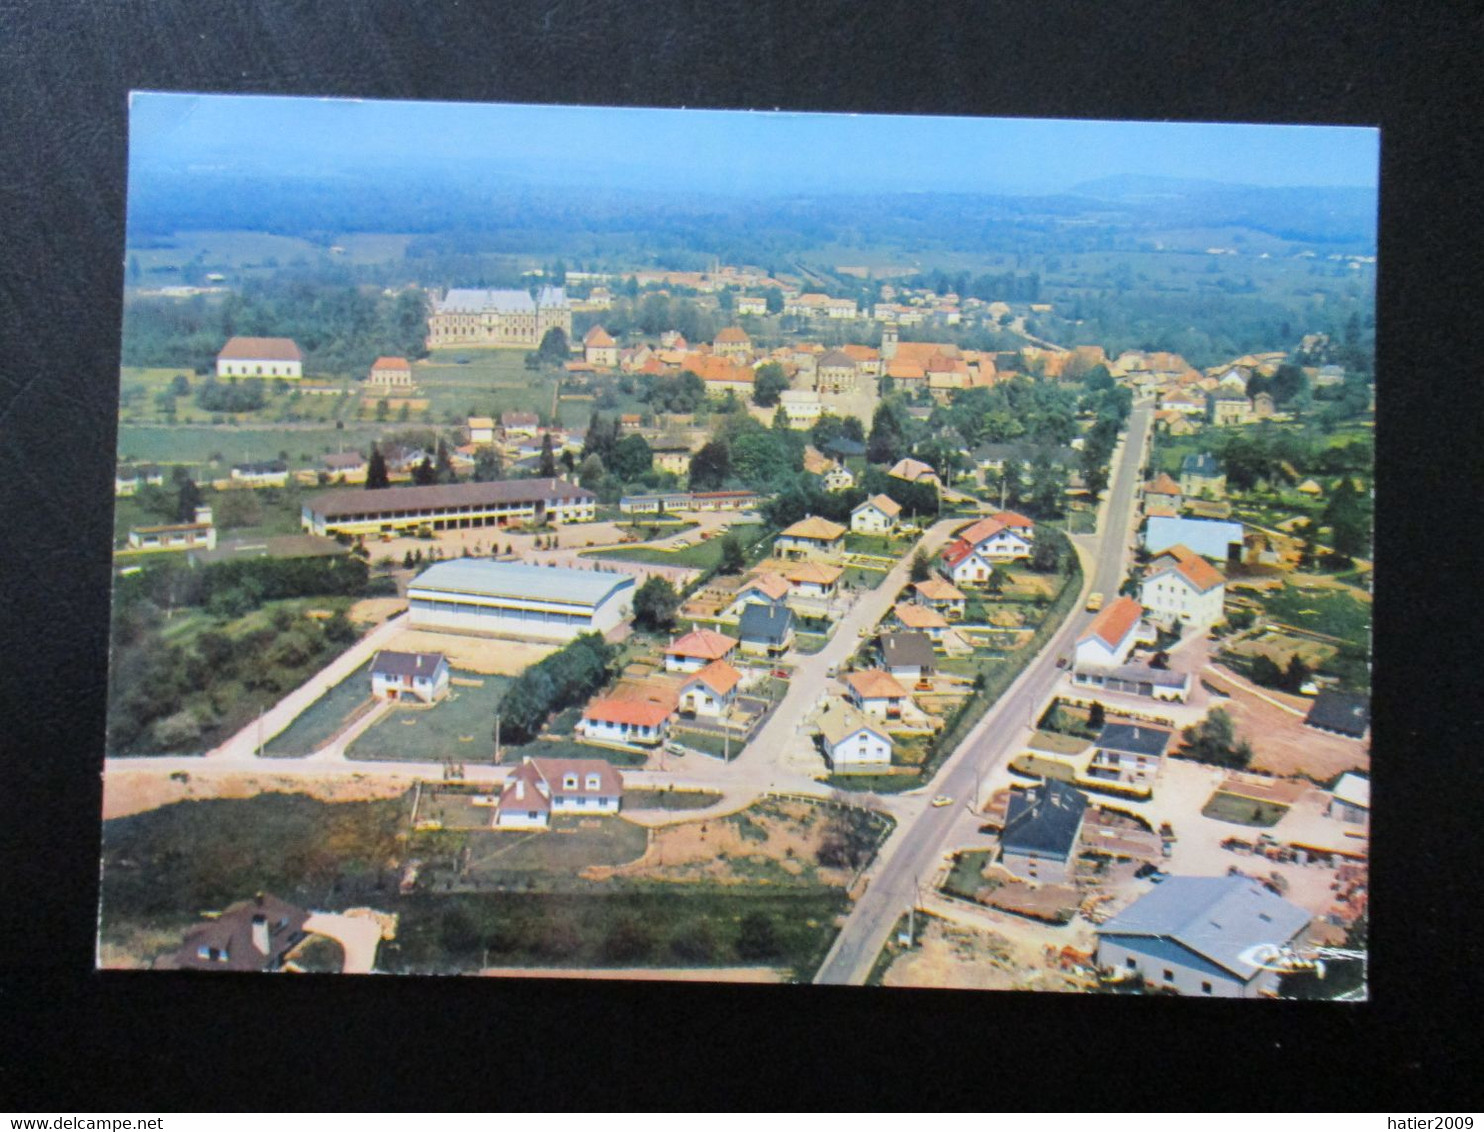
pixel 669 799
pixel 1334 613
pixel 200 444
pixel 321 719
pixel 460 727
pixel 1243 811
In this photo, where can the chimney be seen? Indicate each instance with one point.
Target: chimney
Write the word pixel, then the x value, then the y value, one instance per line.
pixel 260 933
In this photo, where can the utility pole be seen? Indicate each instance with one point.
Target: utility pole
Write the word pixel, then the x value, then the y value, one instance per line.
pixel 260 731
pixel 497 738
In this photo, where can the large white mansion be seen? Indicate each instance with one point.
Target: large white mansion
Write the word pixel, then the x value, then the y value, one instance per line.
pixel 478 317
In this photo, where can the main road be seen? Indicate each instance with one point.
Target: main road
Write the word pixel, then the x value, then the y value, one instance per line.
pixel 916 848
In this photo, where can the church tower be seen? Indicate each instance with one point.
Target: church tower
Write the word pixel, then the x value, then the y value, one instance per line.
pixel 889 342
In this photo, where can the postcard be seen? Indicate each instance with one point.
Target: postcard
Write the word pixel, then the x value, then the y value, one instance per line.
pixel 711 546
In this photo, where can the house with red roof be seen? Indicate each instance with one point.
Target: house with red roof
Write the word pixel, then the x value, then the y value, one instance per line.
pixel 599 349
pixel 966 566
pixel 876 692
pixel 610 719
pixel 761 589
pixel 712 691
pixel 390 374
pixel 260 357
pixel 1112 634
pixel 943 596
pixel 732 342
pixel 538 788
pixel 995 540
pixel 1181 586
pixel 877 515
pixel 696 649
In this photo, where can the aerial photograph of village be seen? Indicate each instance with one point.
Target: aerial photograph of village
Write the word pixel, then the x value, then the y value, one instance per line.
pixel 742 547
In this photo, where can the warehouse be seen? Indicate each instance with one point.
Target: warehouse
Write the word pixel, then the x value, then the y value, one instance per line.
pixel 513 599
pixel 453 506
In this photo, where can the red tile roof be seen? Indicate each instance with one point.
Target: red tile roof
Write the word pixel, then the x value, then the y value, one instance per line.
pixel 875 684
pixel 1115 622
pixel 936 589
pixel 1162 484
pixel 555 770
pixel 769 584
pixel 916 616
pixel 1191 566
pixel 704 644
pixel 1014 520
pixel 732 334
pixel 389 363
pixel 260 350
pixel 816 573
pixel 634 713
pixel 977 532
pixel 597 336
pixel 957 552
pixel 719 676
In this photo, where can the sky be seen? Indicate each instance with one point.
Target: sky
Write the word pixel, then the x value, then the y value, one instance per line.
pixel 721 151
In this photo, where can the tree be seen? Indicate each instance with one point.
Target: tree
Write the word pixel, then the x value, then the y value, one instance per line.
pixel 768 383
pixel 655 603
pixel 443 467
pixel 756 937
pixel 1096 716
pixel 888 442
pixel 711 466
pixel 376 473
pixel 921 569
pixel 423 475
pixel 1346 517
pixel 487 465
pixel 1045 558
pixel 632 457
pixel 1214 741
pixel 187 500
pixel 1264 671
pixel 548 457
pixel 554 350
pixel 733 560
pixel 1296 675
pixel 590 474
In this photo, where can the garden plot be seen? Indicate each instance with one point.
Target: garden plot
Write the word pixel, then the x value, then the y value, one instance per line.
pixel 458 728
pixel 317 724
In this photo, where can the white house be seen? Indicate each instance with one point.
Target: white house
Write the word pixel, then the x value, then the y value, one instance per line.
pixel 876 516
pixel 265 473
pixel 421 676
pixel 260 357
pixel 538 788
pixel 876 692
pixel 801 408
pixel 481 430
pixel 814 579
pixel 943 596
pixel 712 691
pixel 1182 586
pixel 760 589
pixel 965 565
pixel 1111 636
pixel 914 471
pixel 1350 800
pixel 632 722
pixel 389 374
pixel 998 541
pixel 923 618
pixel 696 649
pixel 839 478
pixel 810 537
pixel 908 655
pixel 1207 937
pixel 851 740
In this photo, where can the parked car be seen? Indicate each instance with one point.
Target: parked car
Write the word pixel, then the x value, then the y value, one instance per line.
pixel 1094 602
pixel 941 800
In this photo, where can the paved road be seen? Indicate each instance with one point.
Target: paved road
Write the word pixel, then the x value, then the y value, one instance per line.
pixel 912 855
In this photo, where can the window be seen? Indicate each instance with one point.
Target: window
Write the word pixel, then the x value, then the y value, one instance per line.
pixel 1206 988
pixel 1131 963
pixel 1169 975
pixel 593 782
pixel 569 782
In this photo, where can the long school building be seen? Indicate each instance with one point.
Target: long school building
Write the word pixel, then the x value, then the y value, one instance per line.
pixel 454 506
pixel 513 599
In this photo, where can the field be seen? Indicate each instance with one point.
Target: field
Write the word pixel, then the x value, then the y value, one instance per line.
pixel 460 727
pixel 321 719
pixel 228 444
pixel 275 515
pixel 1335 613
pixel 1243 811
pixel 700 555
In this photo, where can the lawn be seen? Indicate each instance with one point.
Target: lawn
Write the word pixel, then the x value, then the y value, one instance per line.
pixel 700 555
pixel 967 875
pixel 876 544
pixel 321 719
pixel 1334 613
pixel 1243 811
pixel 505 857
pixel 458 728
pixel 483 382
pixel 858 578
pixel 228 444
pixel 669 799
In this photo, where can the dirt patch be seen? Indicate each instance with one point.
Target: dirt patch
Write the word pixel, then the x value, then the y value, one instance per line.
pixel 486 655
pixel 135 791
pixel 956 957
pixel 768 843
pixel 375 610
pixel 1281 744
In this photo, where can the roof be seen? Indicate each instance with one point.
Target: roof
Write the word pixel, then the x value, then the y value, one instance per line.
pixel 731 334
pixel 1349 713
pixel 957 552
pixel 875 684
pixel 1209 538
pixel 1014 520
pixel 1162 484
pixel 260 350
pixel 936 589
pixel 390 363
pixel 471 300
pixel 1353 790
pixel 813 527
pixel 516 417
pixel 1189 565
pixel 978 531
pixel 767 623
pixel 883 503
pixel 1221 919
pixel 836 359
pixel 704 644
pixel 1113 625
pixel 483 577
pixel 814 573
pixel 555 770
pixel 1134 738
pixel 916 616
pixel 1044 818
pixel 770 585
pixel 527 788
pixel 1200 464
pixel 597 336
pixel 1142 674
pixel 353 504
pixel 907 649
pixel 231 934
pixel 840 720
pixel 407 663
pixel 911 470
pixel 344 460
pixel 633 713
pixel 719 676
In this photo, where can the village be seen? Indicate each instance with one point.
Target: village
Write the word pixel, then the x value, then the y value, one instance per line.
pixel 1076 712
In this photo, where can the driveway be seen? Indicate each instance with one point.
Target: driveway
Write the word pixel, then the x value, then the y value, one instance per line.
pixel 357 936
